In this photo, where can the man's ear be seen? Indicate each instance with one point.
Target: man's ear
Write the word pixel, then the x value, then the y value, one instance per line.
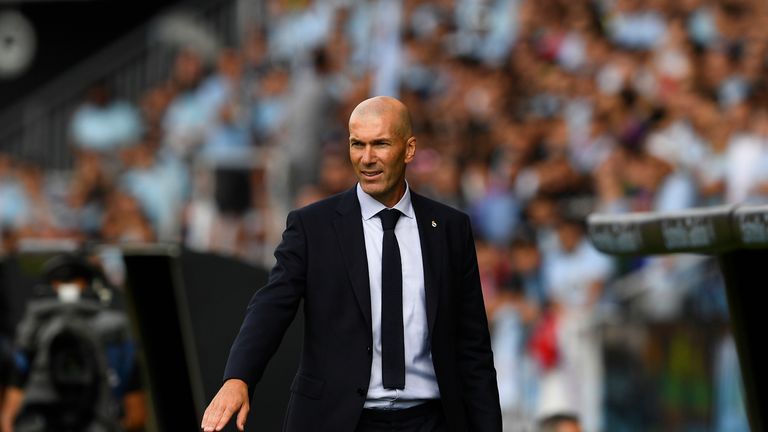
pixel 410 149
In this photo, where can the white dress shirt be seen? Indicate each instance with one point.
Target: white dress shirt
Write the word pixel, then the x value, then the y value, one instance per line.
pixel 420 380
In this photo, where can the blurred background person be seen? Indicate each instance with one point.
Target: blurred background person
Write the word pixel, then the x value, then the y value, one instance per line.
pixel 75 365
pixel 103 124
pixel 575 275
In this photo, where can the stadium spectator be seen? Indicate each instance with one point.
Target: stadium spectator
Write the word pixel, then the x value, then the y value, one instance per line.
pixel 103 124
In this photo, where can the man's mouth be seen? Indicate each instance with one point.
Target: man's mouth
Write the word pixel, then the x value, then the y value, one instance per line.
pixel 370 174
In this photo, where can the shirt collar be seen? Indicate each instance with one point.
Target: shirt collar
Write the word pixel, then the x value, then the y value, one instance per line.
pixel 369 207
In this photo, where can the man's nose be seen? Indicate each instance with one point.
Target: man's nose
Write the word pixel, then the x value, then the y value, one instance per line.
pixel 368 155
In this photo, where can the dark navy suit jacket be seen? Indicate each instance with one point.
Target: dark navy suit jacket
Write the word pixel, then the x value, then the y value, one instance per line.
pixel 322 261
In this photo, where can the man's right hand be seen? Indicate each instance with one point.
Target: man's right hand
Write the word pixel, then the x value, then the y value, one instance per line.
pixel 231 398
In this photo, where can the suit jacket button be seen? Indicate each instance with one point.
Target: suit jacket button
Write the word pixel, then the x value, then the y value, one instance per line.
pixel 361 392
pixel 368 349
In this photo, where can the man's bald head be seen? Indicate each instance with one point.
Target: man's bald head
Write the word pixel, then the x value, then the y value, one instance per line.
pixel 380 106
pixel 381 145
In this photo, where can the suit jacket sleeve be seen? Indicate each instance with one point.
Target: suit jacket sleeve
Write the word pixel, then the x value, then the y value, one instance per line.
pixel 272 308
pixel 481 394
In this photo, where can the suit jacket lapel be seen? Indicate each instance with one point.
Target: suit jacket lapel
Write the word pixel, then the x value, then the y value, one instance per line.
pixel 349 231
pixel 432 253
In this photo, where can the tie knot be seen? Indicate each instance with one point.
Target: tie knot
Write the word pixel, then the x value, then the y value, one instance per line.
pixel 389 218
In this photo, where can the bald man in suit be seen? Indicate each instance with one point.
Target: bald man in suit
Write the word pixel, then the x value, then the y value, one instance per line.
pixel 395 335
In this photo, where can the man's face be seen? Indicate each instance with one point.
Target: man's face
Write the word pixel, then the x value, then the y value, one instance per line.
pixel 568 426
pixel 379 156
pixel 570 236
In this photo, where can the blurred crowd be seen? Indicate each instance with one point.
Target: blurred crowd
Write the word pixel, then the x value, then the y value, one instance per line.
pixel 529 115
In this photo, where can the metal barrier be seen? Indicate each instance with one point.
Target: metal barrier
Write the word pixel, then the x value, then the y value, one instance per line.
pixel 738 236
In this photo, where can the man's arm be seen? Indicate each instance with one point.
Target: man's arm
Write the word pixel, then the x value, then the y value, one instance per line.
pixel 13 396
pixel 135 408
pixel 134 400
pixel 12 400
pixel 481 394
pixel 270 312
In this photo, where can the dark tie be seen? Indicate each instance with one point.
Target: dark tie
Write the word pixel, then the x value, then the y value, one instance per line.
pixel 392 347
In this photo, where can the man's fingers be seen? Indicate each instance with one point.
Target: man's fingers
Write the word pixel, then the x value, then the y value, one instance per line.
pixel 231 398
pixel 224 419
pixel 217 410
pixel 212 416
pixel 206 418
pixel 242 416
